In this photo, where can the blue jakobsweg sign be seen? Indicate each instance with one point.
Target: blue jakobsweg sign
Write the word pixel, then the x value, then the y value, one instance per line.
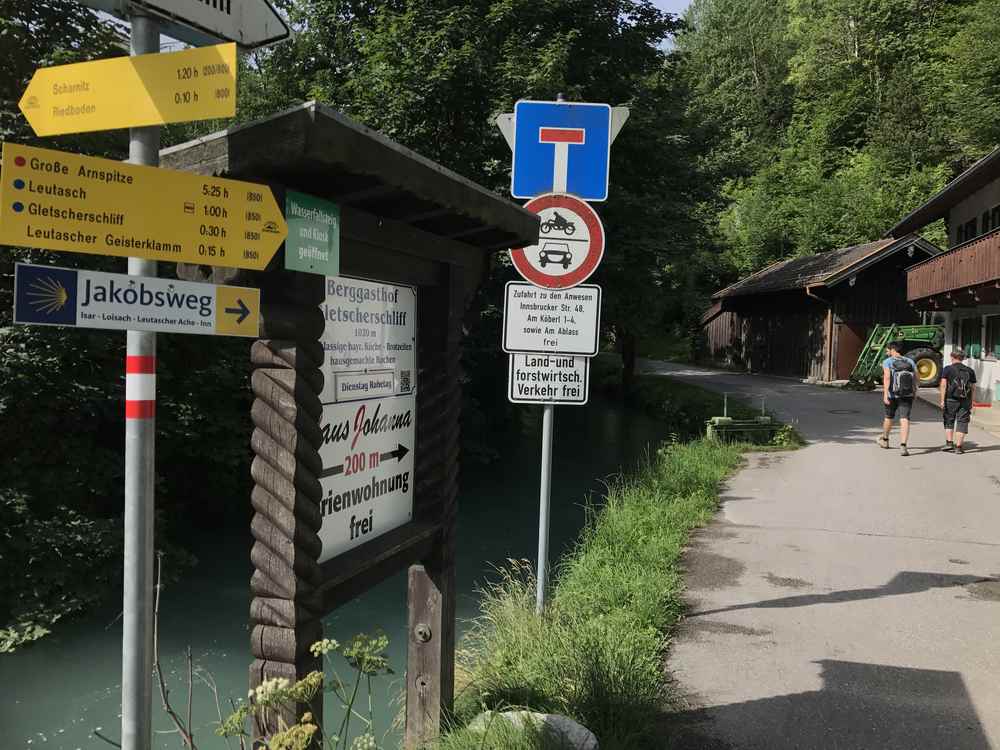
pixel 581 132
pixel 45 295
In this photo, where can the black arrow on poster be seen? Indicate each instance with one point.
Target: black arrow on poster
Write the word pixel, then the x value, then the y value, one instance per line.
pixel 398 454
pixel 401 450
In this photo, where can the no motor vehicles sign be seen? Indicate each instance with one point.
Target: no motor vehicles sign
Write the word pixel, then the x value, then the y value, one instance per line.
pixel 570 243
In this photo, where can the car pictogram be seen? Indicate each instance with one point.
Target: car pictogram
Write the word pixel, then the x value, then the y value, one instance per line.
pixel 555 252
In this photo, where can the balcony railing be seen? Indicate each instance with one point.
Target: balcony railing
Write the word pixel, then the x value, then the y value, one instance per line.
pixel 971 264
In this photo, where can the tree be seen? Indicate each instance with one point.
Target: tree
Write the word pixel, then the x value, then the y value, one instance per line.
pixel 861 135
pixel 431 73
pixel 965 77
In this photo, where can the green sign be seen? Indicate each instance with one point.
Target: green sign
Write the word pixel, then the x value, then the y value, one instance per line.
pixel 313 243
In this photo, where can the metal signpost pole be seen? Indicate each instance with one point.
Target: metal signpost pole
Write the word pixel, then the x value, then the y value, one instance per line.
pixel 539 134
pixel 140 466
pixel 548 416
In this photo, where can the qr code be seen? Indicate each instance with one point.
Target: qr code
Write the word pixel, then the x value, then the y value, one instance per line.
pixel 404 381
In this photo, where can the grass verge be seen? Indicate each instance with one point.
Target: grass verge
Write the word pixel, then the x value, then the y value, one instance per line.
pixel 597 654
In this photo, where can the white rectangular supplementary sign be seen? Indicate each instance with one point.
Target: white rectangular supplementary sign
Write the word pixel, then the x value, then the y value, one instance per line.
pixel 548 379
pixel 369 411
pixel 50 295
pixel 249 23
pixel 551 321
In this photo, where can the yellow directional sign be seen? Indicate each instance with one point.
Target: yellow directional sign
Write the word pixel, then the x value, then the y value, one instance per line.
pixel 128 92
pixel 81 204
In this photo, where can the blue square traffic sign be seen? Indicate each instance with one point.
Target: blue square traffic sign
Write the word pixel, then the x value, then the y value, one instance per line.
pixel 561 147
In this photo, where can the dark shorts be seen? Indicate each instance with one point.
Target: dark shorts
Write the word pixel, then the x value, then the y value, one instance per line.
pixel 902 405
pixel 957 414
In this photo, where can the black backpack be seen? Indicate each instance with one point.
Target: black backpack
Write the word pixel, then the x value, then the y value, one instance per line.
pixel 959 384
pixel 903 379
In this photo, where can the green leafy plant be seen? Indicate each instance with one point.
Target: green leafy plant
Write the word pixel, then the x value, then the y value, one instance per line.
pixel 69 557
pixel 272 700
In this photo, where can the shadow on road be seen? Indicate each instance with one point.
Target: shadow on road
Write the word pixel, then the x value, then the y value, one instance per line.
pixel 859 707
pixel 907 582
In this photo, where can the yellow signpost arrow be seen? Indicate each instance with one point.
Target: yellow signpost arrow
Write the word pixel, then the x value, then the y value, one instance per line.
pixel 129 92
pixel 81 204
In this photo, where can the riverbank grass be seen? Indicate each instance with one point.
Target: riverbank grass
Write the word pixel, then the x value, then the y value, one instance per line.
pixel 597 654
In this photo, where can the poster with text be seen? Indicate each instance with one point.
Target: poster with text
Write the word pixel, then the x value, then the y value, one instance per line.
pixel 369 411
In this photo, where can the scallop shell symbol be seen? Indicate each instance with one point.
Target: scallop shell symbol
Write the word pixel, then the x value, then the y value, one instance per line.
pixel 47 295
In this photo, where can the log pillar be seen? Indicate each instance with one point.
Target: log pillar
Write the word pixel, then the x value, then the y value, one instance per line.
pixel 285 611
pixel 430 673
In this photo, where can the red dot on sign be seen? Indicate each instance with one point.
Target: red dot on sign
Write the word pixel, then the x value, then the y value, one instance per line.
pixel 19 161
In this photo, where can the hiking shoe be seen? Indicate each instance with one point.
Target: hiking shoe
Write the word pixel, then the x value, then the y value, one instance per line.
pixel 959 449
pixel 883 441
pixel 948 447
pixel 903 451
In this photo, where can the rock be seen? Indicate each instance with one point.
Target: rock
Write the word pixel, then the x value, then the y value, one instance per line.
pixel 573 735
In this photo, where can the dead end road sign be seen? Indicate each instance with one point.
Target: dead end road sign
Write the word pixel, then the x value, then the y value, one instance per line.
pixel 54 200
pixel 570 243
pixel 551 321
pixel 249 23
pixel 54 296
pixel 548 379
pixel 129 92
pixel 561 147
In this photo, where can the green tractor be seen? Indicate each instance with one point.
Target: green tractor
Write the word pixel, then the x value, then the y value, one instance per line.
pixel 922 344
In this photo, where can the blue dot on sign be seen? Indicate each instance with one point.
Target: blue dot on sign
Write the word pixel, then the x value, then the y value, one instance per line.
pixel 19 184
pixel 19 207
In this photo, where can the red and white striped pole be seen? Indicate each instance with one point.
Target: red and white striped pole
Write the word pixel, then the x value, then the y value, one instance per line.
pixel 140 386
pixel 140 466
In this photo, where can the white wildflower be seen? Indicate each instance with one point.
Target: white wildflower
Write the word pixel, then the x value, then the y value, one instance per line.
pixel 325 646
pixel 270 690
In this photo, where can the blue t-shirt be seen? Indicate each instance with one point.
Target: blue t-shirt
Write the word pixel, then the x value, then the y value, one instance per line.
pixel 887 364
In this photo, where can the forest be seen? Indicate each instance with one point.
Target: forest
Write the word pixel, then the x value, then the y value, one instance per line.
pixel 759 130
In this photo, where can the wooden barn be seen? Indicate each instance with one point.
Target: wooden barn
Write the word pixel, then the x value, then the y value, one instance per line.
pixel 809 317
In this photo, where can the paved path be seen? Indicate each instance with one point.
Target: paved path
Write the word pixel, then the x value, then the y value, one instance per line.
pixel 842 599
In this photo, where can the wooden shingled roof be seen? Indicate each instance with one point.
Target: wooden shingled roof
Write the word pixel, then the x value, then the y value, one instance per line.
pixel 823 269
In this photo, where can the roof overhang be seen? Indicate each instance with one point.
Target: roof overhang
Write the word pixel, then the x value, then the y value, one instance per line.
pixel 976 177
pixel 711 313
pixel 918 243
pixel 315 149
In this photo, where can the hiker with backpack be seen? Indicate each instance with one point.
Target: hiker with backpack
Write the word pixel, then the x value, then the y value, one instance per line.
pixel 899 387
pixel 957 381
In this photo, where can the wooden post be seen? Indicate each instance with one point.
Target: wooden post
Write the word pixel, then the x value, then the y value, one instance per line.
pixel 430 667
pixel 430 673
pixel 285 612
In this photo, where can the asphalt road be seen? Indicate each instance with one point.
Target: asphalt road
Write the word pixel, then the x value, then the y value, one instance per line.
pixel 846 596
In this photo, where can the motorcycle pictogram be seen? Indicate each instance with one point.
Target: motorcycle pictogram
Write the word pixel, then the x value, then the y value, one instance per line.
pixel 557 223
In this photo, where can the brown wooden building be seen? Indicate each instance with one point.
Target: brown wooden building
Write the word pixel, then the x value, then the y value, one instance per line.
pixel 809 317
